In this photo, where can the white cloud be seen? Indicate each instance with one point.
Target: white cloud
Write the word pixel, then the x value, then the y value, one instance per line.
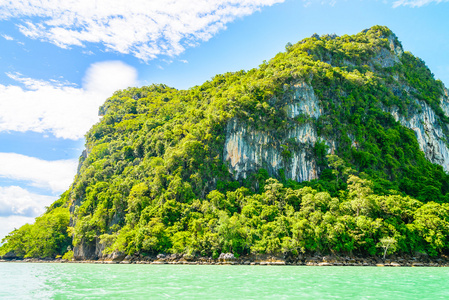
pixel 143 28
pixel 107 77
pixel 7 37
pixel 8 224
pixel 60 107
pixel 55 175
pixel 415 3
pixel 15 200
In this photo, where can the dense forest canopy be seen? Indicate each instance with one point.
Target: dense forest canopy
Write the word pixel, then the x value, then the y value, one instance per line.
pixel 153 178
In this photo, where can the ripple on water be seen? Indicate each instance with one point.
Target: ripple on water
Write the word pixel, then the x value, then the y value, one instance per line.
pixel 96 281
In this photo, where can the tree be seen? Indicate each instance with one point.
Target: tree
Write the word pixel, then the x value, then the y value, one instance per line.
pixel 388 243
pixel 359 190
pixel 339 166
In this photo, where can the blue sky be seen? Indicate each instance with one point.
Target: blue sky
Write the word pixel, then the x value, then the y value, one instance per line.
pixel 59 60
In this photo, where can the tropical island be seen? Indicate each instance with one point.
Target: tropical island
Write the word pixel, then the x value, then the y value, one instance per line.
pixel 335 151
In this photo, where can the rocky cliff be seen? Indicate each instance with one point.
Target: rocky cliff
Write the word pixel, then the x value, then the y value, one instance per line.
pixel 428 128
pixel 247 150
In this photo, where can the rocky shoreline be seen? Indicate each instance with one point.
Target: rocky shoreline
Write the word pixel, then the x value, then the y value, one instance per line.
pixel 262 260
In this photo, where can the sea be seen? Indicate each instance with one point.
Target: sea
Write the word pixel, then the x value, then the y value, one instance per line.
pixel 103 281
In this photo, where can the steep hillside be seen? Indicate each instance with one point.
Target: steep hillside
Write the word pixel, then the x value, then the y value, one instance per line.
pixel 332 146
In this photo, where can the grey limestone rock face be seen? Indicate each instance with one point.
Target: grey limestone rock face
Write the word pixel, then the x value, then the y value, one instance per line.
pixel 301 99
pixel 423 121
pixel 395 46
pixel 386 58
pixel 247 150
pixel 444 102
pixel 88 250
pixel 428 131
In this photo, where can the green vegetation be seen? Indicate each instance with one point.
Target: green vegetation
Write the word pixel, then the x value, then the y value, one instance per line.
pixel 154 180
pixel 47 237
pixel 284 221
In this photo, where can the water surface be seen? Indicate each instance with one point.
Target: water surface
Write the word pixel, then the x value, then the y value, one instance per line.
pixel 95 281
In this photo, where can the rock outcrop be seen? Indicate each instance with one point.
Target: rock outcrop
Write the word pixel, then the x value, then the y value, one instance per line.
pixel 428 130
pixel 86 250
pixel 247 150
pixel 420 117
pixel 444 102
pixel 226 257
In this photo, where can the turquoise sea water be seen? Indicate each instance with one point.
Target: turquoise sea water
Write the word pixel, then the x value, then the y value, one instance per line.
pixel 93 281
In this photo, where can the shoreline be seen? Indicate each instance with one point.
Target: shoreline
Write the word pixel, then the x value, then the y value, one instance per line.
pixel 442 261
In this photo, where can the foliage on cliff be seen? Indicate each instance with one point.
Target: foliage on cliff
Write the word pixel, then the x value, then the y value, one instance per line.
pixel 154 179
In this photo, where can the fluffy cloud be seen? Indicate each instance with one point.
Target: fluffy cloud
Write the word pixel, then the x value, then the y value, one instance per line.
pixel 143 28
pixel 106 77
pixel 415 3
pixel 17 201
pixel 61 108
pixel 55 175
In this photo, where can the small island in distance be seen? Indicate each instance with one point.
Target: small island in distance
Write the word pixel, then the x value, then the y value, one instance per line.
pixel 334 152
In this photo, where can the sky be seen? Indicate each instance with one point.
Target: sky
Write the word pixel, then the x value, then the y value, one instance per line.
pixel 60 60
